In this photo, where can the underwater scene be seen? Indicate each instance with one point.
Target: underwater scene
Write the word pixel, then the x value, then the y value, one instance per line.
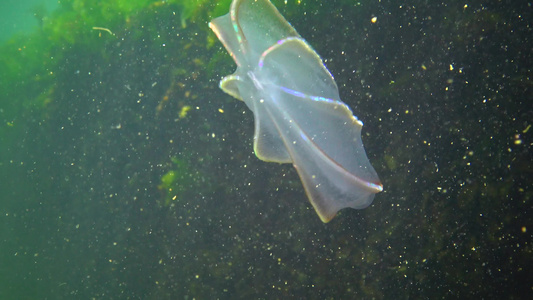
pixel 131 169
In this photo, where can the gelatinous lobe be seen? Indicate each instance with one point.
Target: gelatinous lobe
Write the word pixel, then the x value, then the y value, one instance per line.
pixel 299 117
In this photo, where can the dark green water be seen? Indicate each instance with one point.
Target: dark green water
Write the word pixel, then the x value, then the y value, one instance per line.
pixel 108 192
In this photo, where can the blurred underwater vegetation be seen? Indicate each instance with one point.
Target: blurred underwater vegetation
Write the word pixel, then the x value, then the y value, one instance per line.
pixel 125 172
